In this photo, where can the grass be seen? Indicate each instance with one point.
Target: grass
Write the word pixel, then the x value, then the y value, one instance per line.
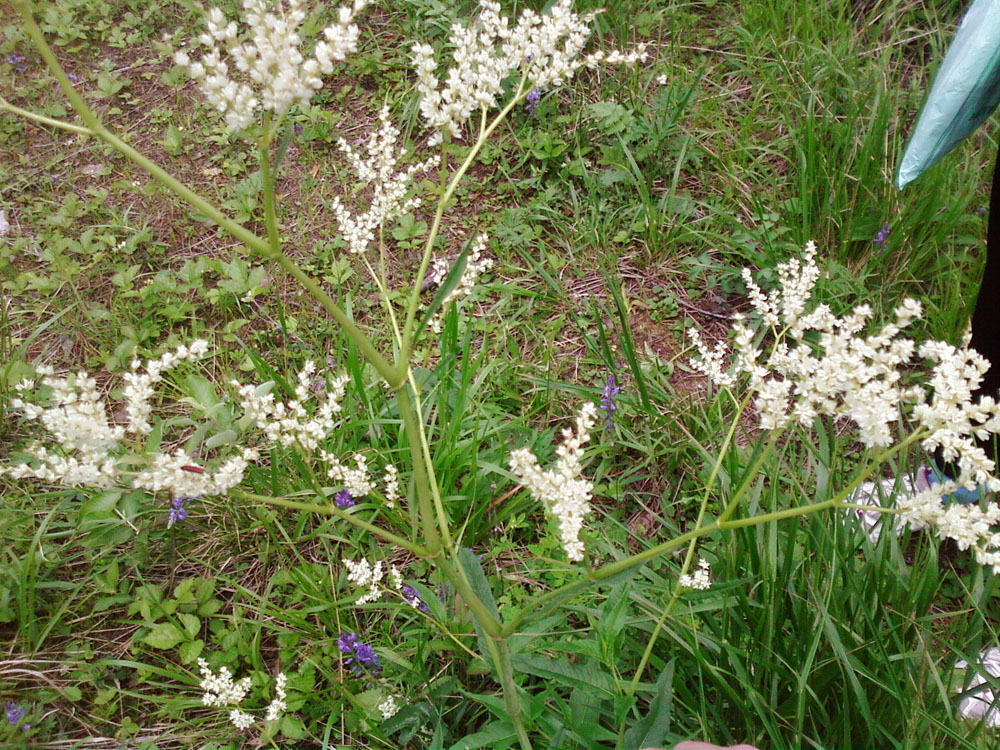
pixel 621 213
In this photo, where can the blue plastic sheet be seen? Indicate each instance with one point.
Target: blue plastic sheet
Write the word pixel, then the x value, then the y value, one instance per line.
pixel 965 92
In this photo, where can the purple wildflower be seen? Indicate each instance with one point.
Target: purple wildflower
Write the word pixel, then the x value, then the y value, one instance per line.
pixel 14 713
pixel 413 598
pixel 73 77
pixel 362 657
pixel 17 61
pixel 608 395
pixel 343 500
pixel 531 101
pixel 883 234
pixel 177 510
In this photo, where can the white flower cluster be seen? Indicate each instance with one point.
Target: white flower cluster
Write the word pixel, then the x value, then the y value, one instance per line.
pixel 290 423
pixel 391 481
pixel 364 575
pixel 389 187
pixel 277 705
pixel 562 490
pixel 221 691
pixel 388 707
pixel 139 383
pixel 267 56
pixel 179 474
pixel 700 580
pixel 822 365
pixel 982 703
pixel 844 375
pixel 357 481
pixel 544 49
pixel 86 450
pixel 475 266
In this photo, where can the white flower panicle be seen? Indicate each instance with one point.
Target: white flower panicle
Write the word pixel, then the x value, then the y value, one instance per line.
pixel 563 490
pixel 172 473
pixel 954 421
pixel 844 374
pixel 388 707
pixel 388 200
pixel 357 481
pixel 545 49
pixel 475 266
pixel 391 482
pixel 140 382
pixel 290 423
pixel 822 365
pixel 364 575
pixel 700 580
pixel 277 705
pixel 271 72
pixel 85 449
pixel 220 690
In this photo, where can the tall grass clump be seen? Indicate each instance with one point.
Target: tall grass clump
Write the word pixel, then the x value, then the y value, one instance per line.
pixel 373 536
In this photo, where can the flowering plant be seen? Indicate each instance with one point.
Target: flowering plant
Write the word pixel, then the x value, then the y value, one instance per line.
pixel 496 65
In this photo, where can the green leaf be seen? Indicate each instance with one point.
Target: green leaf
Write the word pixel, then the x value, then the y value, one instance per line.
pixel 497 734
pixel 191 623
pixel 653 727
pixel 586 675
pixel 163 636
pixel 190 650
pixel 291 727
pixel 72 693
pixel 202 391
pixel 98 507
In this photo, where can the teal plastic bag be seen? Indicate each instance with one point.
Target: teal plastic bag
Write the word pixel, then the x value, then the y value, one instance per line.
pixel 965 91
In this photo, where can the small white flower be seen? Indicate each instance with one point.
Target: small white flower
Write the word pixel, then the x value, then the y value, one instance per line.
pixel 701 580
pixel 220 690
pixel 277 705
pixel 562 490
pixel 389 707
pixel 241 719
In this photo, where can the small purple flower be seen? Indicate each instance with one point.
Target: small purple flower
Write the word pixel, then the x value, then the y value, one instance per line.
pixel 531 101
pixel 73 77
pixel 17 61
pixel 298 129
pixel 883 234
pixel 413 598
pixel 177 511
pixel 361 657
pixel 343 500
pixel 14 713
pixel 608 395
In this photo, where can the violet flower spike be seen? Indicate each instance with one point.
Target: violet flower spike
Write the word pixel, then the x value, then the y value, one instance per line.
pixel 14 713
pixel 531 101
pixel 413 598
pixel 608 395
pixel 362 656
pixel 883 234
pixel 343 500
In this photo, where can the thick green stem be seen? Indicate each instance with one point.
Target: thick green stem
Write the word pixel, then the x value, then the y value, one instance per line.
pixel 500 651
pixel 425 507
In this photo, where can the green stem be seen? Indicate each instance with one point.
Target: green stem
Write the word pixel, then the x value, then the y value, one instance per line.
pixel 414 301
pixel 500 652
pixel 421 483
pixel 332 510
pixel 43 120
